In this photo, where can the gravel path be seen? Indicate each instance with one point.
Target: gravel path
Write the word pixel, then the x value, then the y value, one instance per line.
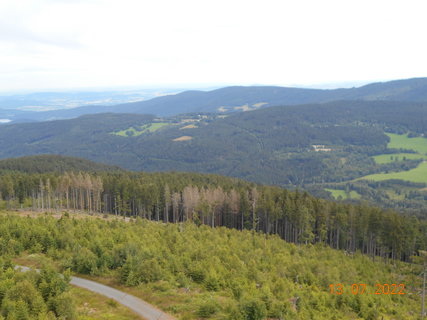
pixel 144 309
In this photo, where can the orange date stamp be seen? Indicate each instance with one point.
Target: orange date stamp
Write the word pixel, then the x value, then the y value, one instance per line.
pixel 362 288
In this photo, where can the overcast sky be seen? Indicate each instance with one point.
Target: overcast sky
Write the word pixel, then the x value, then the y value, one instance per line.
pixel 68 44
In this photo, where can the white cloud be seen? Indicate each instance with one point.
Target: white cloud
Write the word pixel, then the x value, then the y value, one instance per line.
pixel 65 43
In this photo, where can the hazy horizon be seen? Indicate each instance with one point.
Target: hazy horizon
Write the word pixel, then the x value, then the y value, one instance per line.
pixel 202 86
pixel 50 45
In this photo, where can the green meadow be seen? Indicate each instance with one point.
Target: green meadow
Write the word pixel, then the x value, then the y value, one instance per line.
pixel 402 141
pixel 337 193
pixel 129 132
pixel 398 141
pixel 152 127
pixel 418 174
pixel 392 157
pixel 134 132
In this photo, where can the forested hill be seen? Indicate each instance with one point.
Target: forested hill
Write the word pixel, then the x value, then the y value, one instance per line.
pixel 199 272
pixel 238 98
pixel 309 146
pixel 85 137
pixel 216 271
pixel 220 201
pixel 53 163
pixel 235 98
pixel 272 145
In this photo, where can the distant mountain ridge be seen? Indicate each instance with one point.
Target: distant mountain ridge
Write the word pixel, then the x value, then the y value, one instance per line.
pixel 275 145
pixel 269 145
pixel 240 98
pixel 53 163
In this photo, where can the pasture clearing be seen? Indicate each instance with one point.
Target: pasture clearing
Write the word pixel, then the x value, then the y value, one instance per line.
pixel 153 127
pixel 418 174
pixel 392 157
pixel 402 141
pixel 343 195
pixel 137 131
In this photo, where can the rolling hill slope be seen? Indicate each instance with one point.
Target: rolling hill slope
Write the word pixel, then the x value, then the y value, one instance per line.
pixel 87 137
pixel 237 98
pixel 272 145
pixel 53 163
pixel 323 148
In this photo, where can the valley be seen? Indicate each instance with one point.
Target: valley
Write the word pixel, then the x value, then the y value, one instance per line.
pixel 409 182
pixel 271 145
pixel 239 214
pixel 216 160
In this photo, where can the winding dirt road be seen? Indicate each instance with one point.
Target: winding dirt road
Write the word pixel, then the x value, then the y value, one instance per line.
pixel 144 309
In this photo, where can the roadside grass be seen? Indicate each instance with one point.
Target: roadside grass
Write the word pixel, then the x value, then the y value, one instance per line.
pixel 91 305
pixel 35 260
pixel 181 302
pixel 398 141
pixel 393 157
pixel 418 174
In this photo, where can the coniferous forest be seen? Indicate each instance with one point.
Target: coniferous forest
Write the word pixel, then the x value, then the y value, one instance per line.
pixel 198 272
pixel 222 160
pixel 213 200
pixel 200 245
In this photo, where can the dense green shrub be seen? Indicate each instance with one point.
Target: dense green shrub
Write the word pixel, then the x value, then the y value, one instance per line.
pixel 32 295
pixel 217 272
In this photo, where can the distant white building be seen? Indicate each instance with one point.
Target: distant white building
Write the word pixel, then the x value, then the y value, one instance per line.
pixel 320 147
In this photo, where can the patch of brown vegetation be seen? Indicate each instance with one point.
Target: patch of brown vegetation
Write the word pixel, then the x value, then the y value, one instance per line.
pixel 183 138
pixel 190 126
pixel 259 104
pixel 243 108
pixel 75 214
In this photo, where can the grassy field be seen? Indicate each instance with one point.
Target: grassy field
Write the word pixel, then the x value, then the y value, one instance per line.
pixel 398 141
pixel 419 174
pixel 337 193
pixel 91 305
pixel 401 141
pixel 152 127
pixel 392 157
pixel 134 132
pixel 124 133
pixel 355 195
